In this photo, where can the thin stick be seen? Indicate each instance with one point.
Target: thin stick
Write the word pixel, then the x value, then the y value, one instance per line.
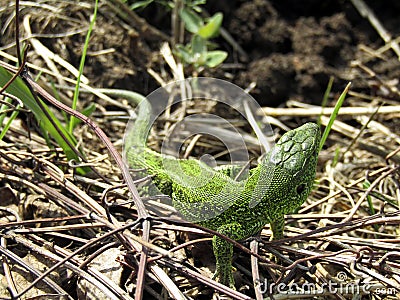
pixel 366 12
pixel 316 111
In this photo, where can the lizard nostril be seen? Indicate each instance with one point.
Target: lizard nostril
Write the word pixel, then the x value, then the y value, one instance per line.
pixel 300 188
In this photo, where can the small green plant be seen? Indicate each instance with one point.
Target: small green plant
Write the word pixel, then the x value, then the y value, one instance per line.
pixel 143 4
pixel 197 52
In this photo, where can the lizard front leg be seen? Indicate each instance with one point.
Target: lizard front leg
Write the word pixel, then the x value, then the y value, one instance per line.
pixel 223 252
pixel 277 226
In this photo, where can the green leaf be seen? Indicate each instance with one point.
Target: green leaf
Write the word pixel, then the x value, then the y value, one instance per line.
pixel 192 21
pixel 184 53
pixel 214 58
pixel 211 29
pixel 140 4
pixel 199 45
pixel 195 5
pixel 21 91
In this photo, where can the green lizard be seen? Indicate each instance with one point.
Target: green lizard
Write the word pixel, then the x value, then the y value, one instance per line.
pixel 237 208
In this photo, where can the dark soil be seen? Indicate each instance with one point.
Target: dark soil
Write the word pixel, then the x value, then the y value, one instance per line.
pixel 294 47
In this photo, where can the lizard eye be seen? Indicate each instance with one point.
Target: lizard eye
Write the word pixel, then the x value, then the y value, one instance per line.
pixel 300 188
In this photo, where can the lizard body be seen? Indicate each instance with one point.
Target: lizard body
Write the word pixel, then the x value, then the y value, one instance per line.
pixel 236 208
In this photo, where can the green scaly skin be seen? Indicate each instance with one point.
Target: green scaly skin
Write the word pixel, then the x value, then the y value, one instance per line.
pixel 239 209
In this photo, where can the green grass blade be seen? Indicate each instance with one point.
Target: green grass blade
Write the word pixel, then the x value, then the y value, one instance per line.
pixel 21 91
pixel 81 66
pixel 338 105
pixel 3 108
pixel 325 98
pixel 8 124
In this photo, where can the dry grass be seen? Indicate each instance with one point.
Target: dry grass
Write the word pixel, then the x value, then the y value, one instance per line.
pixel 56 226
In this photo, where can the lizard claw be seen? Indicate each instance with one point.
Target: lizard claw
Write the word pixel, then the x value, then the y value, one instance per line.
pixel 224 275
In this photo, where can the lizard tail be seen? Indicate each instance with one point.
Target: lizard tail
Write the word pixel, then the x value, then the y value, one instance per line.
pixel 137 132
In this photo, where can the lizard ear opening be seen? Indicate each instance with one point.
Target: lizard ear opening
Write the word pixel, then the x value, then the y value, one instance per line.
pixel 300 188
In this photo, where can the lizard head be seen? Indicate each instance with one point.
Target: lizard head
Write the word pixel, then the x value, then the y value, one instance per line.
pixel 292 163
